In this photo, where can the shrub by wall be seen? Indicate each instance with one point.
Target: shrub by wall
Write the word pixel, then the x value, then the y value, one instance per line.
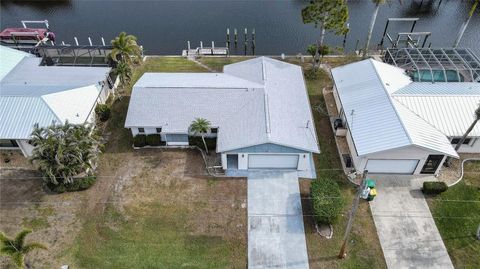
pixel 434 187
pixel 103 112
pixel 139 140
pixel 153 140
pixel 326 203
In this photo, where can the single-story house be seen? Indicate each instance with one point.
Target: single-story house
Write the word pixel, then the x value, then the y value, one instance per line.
pixel 395 125
pixel 259 112
pixel 31 93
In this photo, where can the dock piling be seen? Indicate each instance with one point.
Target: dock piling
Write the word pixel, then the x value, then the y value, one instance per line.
pixel 235 36
pixel 245 40
pixel 188 45
pixel 253 41
pixel 201 45
pixel 228 37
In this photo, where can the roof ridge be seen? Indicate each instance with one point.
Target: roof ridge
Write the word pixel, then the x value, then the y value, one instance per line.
pixel 389 97
pixel 49 108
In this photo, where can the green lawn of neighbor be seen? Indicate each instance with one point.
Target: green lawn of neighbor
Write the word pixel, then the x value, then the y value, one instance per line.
pixel 457 215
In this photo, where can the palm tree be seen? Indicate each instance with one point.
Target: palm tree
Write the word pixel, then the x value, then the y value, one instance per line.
pixel 64 151
pixel 467 132
pixel 465 24
pixel 125 49
pixel 372 23
pixel 16 248
pixel 200 127
pixel 124 72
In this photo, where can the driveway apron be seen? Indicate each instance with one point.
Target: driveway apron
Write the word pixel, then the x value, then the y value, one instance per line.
pixel 276 235
pixel 405 226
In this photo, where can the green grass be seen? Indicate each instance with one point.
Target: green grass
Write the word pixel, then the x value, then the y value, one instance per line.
pixel 458 234
pixel 153 237
pixel 217 63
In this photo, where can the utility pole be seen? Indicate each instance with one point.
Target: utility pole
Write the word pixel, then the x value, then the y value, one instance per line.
pixel 478 232
pixel 465 24
pixel 356 201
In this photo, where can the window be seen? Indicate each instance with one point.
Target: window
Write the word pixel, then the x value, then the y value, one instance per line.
pixel 457 139
pixel 6 143
pixel 141 130
pixel 214 130
pixel 159 130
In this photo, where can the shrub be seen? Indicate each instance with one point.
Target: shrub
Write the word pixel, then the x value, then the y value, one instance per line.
pixel 139 140
pixel 153 140
pixel 197 141
pixel 326 204
pixel 434 187
pixel 311 74
pixel 78 184
pixel 103 112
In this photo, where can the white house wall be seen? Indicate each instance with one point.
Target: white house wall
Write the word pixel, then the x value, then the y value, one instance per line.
pixel 26 148
pixel 473 148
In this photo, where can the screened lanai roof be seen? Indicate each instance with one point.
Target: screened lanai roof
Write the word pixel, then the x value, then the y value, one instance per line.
pixel 436 64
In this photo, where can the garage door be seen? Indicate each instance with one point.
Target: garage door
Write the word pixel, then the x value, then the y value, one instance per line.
pixel 391 166
pixel 273 161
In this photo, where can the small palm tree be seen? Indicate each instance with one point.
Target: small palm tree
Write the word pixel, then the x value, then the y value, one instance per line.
pixel 16 248
pixel 125 49
pixel 64 151
pixel 124 72
pixel 200 127
pixel 372 23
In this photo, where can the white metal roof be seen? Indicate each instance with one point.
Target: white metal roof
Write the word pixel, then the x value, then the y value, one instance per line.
pixel 274 109
pixel 9 59
pixel 376 121
pixel 31 94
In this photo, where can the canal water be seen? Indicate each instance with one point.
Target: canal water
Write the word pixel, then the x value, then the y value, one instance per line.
pixel 163 27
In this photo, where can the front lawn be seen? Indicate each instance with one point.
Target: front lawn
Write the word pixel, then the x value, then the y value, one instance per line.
pixel 457 215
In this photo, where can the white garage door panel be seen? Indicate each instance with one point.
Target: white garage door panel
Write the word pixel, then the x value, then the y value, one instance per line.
pixel 285 161
pixel 392 166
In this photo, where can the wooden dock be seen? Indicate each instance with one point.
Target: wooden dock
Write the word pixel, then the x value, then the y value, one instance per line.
pixel 204 51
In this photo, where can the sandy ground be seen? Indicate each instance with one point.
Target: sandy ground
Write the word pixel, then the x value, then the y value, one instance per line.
pixel 131 178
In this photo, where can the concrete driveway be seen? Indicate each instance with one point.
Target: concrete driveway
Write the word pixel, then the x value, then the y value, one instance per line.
pixel 276 236
pixel 405 226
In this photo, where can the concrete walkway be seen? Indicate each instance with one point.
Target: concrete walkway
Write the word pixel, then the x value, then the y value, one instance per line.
pixel 276 236
pixel 405 226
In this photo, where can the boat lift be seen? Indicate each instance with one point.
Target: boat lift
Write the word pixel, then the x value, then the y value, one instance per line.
pixel 411 39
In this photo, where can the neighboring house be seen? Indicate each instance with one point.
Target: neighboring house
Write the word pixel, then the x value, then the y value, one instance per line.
pixel 259 111
pixel 395 125
pixel 33 94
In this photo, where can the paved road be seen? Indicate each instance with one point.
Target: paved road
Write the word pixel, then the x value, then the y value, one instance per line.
pixel 276 236
pixel 405 226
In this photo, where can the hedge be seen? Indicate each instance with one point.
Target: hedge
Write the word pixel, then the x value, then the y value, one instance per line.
pixel 197 141
pixel 139 140
pixel 326 203
pixel 78 184
pixel 153 140
pixel 103 112
pixel 434 187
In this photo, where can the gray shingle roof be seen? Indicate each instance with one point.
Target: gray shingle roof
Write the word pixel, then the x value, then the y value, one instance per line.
pixel 269 107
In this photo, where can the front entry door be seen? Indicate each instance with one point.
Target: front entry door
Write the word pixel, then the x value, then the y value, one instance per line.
pixel 432 164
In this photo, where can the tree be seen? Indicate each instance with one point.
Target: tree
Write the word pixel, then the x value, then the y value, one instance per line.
pixel 200 127
pixel 313 49
pixel 16 248
pixel 125 49
pixel 467 132
pixel 329 15
pixel 124 72
pixel 372 23
pixel 465 24
pixel 64 151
